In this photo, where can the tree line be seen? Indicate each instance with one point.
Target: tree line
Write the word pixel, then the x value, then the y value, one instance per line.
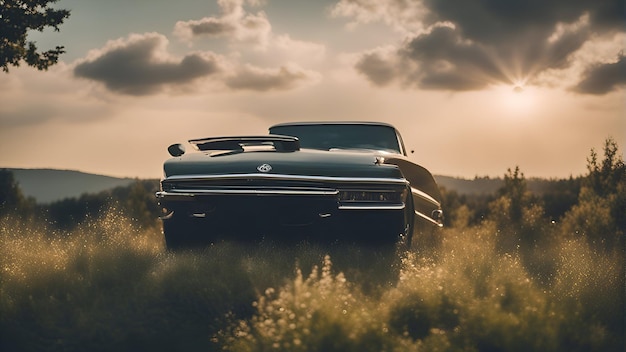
pixel 592 206
pixel 137 201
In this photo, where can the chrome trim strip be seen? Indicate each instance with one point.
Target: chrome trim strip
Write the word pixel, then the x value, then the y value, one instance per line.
pixel 167 216
pixel 195 192
pixel 428 218
pixel 243 139
pixel 162 194
pixel 424 196
pixel 372 207
pixel 398 181
pixel 370 190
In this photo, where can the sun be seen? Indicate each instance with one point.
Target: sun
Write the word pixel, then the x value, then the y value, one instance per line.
pixel 519 85
pixel 516 100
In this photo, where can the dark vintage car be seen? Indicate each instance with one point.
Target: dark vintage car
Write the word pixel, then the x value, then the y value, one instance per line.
pixel 323 181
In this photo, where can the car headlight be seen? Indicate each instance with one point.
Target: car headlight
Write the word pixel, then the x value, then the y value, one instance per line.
pixel 373 196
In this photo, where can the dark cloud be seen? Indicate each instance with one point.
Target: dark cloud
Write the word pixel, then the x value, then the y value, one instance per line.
pixel 471 44
pixel 139 66
pixel 604 78
pixel 449 62
pixel 501 21
pixel 252 78
pixel 379 70
pixel 211 27
pixel 235 24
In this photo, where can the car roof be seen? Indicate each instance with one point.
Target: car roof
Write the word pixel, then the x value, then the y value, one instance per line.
pixel 370 123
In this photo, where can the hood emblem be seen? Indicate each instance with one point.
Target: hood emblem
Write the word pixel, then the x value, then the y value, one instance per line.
pixel 264 168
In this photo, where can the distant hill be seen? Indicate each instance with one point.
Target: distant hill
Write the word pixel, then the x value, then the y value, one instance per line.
pixel 485 185
pixel 48 185
pixel 476 186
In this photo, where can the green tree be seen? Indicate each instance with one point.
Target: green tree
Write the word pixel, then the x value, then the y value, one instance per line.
pixel 139 203
pixel 606 177
pixel 136 201
pixel 518 215
pixel 600 215
pixel 17 17
pixel 11 198
pixel 516 190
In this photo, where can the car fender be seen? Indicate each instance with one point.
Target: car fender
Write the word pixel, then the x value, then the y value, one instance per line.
pixel 426 195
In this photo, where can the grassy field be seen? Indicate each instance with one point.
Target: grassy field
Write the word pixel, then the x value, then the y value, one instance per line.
pixel 110 285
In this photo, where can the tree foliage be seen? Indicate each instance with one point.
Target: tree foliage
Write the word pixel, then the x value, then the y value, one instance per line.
pixel 17 17
pixel 600 215
pixel 607 176
pixel 135 200
pixel 518 215
pixel 10 194
pixel 516 190
pixel 12 200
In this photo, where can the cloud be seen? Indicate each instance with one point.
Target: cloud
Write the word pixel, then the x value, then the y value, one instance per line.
pixel 471 44
pixel 253 78
pixel 379 66
pixel 501 21
pixel 447 61
pixel 234 24
pixel 402 15
pixel 140 65
pixel 253 30
pixel 603 78
pixel 297 49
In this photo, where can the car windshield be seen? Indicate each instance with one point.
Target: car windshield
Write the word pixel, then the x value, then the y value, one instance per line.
pixel 343 136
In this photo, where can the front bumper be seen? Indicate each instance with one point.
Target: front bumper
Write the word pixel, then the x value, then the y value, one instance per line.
pixel 360 210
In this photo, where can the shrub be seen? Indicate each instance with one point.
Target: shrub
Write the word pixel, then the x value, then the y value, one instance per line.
pixel 600 215
pixel 322 313
pixel 471 297
pixel 110 285
pixel 588 290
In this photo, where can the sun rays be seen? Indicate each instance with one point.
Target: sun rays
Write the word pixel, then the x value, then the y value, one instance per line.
pixel 517 100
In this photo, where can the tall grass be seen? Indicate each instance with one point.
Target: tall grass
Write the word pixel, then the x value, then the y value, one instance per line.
pixel 471 298
pixel 110 285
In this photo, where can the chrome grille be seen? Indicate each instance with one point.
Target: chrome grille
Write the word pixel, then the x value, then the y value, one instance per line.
pixel 243 184
pixel 274 184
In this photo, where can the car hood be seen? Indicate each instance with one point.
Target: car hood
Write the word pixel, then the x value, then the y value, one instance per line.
pixel 306 162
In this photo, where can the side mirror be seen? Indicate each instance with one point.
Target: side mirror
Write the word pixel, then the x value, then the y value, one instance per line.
pixel 176 149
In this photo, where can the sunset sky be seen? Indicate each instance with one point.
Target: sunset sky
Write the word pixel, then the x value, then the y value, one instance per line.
pixel 474 86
